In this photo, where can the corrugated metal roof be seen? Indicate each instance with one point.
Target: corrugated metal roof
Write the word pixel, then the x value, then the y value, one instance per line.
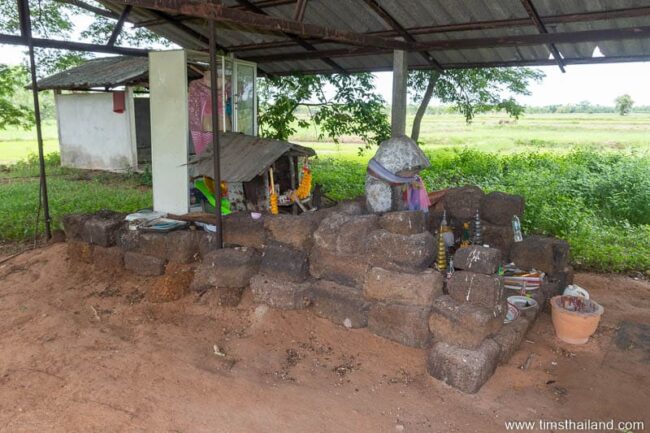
pixel 243 156
pixel 103 72
pixel 420 18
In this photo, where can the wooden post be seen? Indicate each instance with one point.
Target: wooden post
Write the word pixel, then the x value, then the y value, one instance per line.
pixel 400 75
pixel 216 160
pixel 294 183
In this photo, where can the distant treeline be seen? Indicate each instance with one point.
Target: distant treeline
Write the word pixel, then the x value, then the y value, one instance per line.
pixel 582 107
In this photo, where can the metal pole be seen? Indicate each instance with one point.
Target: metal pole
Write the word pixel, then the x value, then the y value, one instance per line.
pixel 215 132
pixel 26 32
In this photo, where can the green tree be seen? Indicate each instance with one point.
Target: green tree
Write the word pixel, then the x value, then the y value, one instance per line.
pixel 12 113
pixel 54 19
pixel 471 91
pixel 50 19
pixel 624 104
pixel 338 105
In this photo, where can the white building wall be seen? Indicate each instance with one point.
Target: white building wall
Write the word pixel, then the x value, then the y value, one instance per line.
pixel 91 135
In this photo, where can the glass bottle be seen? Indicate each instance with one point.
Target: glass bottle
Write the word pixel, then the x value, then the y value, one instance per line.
pixel 516 228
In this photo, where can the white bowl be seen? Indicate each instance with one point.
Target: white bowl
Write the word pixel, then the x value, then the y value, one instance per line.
pixel 522 302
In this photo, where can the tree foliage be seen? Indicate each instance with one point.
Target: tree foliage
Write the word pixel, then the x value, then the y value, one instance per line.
pixel 624 104
pixel 12 113
pixel 54 19
pixel 339 105
pixel 50 19
pixel 472 91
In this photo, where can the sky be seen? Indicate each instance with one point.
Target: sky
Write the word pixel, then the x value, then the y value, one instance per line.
pixel 598 84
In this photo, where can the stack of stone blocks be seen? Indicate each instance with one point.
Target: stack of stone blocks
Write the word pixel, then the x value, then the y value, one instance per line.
pixel 355 269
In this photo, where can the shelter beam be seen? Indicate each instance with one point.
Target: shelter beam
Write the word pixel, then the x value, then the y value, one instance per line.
pixel 502 64
pixel 461 44
pixel 481 25
pixel 299 11
pixel 252 7
pixel 534 16
pixel 392 22
pixel 68 45
pixel 257 21
pixel 90 8
pixel 119 25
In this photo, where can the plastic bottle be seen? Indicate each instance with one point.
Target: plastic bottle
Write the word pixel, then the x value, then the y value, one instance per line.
pixel 516 228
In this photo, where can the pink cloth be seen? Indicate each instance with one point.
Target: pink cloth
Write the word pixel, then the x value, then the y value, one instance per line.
pixel 417 197
pixel 200 107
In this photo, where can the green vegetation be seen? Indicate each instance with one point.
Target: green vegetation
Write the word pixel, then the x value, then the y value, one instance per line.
pixel 12 113
pixel 336 104
pixel 471 91
pixel 586 178
pixel 599 202
pixel 69 190
pixel 532 133
pixel 624 104
pixel 17 144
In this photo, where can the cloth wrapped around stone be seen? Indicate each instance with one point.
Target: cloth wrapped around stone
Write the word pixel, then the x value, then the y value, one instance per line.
pixel 401 158
pixel 377 170
pixel 416 193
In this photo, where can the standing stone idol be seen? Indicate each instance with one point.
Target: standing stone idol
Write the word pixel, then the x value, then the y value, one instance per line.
pixel 395 165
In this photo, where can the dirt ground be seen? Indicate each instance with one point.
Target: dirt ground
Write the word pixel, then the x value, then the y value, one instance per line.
pixel 84 352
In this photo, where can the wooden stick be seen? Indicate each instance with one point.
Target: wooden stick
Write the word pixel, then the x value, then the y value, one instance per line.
pixel 272 181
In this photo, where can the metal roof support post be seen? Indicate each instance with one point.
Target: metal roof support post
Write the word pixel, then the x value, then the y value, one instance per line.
pixel 216 160
pixel 26 32
pixel 398 109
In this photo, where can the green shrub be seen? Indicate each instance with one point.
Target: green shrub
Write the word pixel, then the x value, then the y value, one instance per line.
pixel 598 202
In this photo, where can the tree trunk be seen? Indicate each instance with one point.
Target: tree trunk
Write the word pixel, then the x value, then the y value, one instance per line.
pixel 422 109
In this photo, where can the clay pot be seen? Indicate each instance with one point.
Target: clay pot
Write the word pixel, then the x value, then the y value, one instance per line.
pixel 575 319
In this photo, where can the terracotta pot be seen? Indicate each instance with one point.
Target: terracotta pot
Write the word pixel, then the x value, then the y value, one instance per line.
pixel 575 327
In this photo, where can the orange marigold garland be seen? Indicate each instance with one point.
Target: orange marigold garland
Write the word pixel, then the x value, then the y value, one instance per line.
pixel 304 189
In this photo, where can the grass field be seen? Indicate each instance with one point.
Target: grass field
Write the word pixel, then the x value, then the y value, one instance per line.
pixel 18 144
pixel 532 133
pixel 586 178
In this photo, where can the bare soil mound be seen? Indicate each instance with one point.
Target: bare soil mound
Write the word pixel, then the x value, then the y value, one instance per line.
pixel 82 351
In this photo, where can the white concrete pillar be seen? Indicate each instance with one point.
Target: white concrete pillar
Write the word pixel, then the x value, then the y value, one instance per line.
pixel 169 131
pixel 400 76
